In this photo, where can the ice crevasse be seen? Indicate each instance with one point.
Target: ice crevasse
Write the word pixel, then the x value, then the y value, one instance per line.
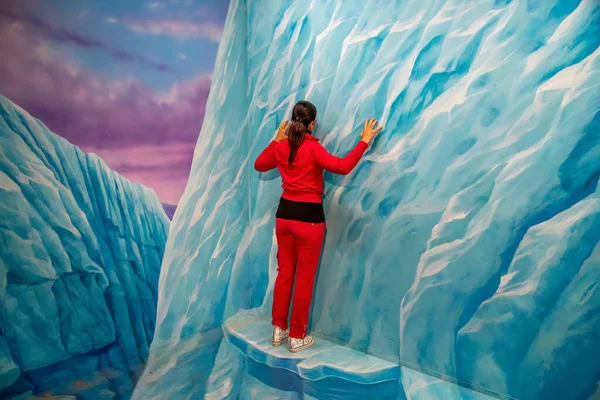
pixel 465 244
pixel 79 264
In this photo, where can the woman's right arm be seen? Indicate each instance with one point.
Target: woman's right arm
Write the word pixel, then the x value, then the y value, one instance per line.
pixel 343 166
pixel 266 160
pixel 337 165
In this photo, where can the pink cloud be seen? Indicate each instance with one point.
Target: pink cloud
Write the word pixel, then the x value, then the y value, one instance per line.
pixel 178 28
pixel 147 136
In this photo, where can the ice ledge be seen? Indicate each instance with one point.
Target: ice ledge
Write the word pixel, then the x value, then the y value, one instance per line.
pixel 250 332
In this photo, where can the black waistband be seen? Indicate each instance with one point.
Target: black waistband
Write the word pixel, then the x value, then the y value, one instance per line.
pixel 300 211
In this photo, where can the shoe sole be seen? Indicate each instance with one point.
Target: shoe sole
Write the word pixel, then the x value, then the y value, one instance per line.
pixel 277 344
pixel 297 349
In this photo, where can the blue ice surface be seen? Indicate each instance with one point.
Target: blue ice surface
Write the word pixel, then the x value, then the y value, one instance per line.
pixel 79 266
pixel 463 244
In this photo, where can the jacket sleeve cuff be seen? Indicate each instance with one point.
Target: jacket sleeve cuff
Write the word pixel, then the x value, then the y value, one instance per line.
pixel 362 145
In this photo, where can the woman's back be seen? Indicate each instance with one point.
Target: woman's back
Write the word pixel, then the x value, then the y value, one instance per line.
pixel 303 179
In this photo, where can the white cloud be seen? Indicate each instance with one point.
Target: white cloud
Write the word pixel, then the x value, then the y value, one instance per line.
pixel 182 56
pixel 162 3
pixel 178 28
pixel 112 20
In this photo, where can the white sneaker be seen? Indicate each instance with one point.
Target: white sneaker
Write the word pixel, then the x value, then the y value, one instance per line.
pixel 279 335
pixel 300 344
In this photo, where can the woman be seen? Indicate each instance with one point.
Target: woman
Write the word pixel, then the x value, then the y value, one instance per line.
pixel 300 221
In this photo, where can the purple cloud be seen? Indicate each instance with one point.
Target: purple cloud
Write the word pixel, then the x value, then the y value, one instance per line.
pixel 118 119
pixel 48 31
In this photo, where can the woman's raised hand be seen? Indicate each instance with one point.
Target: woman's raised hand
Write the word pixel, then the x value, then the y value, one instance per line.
pixel 370 131
pixel 281 132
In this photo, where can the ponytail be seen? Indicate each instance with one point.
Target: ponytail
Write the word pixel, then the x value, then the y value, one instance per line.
pixel 296 133
pixel 304 113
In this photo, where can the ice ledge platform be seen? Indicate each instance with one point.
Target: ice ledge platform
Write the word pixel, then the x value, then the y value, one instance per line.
pixel 331 371
pixel 250 333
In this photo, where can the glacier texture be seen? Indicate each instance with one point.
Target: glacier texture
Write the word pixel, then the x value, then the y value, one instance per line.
pixel 80 260
pixel 465 243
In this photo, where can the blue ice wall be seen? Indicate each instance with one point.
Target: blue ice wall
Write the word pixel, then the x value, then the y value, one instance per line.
pixel 80 256
pixel 466 242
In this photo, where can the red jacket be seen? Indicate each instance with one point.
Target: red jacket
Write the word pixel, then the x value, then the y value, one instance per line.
pixel 303 181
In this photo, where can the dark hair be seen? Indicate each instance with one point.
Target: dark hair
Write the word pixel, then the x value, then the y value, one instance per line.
pixel 304 113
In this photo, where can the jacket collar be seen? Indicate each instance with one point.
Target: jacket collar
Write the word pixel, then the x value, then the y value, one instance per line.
pixel 311 137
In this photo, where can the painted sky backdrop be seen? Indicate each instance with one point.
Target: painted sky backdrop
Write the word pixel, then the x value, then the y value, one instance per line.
pixel 127 80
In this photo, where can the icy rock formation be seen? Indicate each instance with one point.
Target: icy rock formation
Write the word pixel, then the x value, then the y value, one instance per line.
pixel 80 256
pixel 463 243
pixel 9 371
pixel 545 312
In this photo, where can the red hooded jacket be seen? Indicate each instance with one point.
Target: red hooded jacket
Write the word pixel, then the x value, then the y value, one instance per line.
pixel 303 180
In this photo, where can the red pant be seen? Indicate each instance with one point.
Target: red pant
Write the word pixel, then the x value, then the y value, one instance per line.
pixel 299 248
